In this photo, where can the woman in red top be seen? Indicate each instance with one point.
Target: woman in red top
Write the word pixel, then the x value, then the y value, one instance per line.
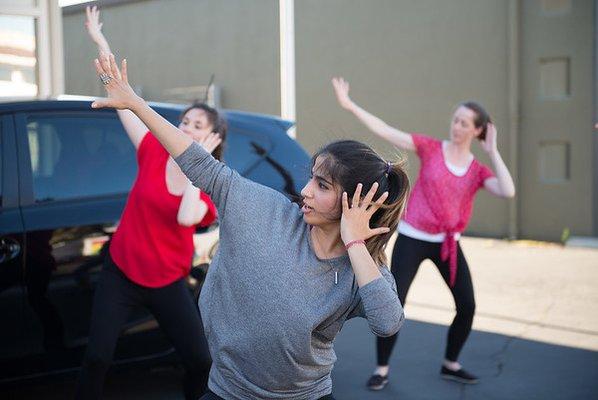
pixel 152 250
pixel 438 211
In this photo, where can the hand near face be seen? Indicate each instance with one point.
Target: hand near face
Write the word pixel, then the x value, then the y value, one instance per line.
pixel 355 219
pixel 210 142
pixel 490 143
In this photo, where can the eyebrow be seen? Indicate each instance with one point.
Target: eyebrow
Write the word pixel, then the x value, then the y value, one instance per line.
pixel 320 177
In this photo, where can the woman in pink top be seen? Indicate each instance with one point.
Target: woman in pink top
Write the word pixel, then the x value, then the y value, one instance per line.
pixel 438 211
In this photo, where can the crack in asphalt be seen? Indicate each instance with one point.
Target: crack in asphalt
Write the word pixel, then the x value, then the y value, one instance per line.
pixel 500 355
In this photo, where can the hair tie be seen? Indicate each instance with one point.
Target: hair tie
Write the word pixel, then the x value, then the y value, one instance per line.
pixel 388 167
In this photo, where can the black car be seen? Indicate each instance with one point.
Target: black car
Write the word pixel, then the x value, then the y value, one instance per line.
pixel 65 173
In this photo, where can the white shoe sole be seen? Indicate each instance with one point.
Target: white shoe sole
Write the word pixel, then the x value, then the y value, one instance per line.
pixel 378 387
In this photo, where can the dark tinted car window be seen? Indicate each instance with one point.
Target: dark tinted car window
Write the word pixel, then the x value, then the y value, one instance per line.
pixel 79 155
pixel 244 149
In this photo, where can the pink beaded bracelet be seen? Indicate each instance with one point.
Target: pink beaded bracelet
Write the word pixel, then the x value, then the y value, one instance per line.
pixel 354 242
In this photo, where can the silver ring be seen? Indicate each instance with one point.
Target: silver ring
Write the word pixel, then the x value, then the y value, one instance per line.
pixel 105 78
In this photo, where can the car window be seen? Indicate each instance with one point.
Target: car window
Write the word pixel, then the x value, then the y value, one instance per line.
pixel 79 155
pixel 244 149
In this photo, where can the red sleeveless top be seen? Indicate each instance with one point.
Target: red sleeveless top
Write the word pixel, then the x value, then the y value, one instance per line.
pixel 149 246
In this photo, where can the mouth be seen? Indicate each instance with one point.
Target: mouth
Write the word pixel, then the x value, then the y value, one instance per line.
pixel 306 209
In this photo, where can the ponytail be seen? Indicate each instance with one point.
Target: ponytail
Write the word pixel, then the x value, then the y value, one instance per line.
pixel 389 214
pixel 349 162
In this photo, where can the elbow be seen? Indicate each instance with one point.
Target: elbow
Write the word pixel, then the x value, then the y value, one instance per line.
pixel 509 194
pixel 187 218
pixel 390 326
pixel 185 222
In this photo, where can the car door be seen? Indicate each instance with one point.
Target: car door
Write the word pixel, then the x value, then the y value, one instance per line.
pixel 12 344
pixel 77 167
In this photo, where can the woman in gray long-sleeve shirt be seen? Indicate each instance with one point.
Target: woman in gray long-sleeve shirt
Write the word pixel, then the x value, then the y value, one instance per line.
pixel 285 277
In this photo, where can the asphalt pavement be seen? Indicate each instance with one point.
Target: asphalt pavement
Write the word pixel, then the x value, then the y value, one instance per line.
pixel 535 335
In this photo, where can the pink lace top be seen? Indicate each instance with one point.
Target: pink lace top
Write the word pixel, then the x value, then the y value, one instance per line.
pixel 440 201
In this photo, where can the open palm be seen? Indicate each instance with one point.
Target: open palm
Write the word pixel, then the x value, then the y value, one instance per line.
pixel 341 90
pixel 355 220
pixel 120 94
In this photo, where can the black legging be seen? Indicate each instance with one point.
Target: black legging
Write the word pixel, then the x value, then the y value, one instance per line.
pixel 213 396
pixel 174 309
pixel 407 255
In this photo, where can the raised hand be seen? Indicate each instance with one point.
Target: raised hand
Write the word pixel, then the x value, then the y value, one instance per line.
pixel 210 142
pixel 355 220
pixel 120 94
pixel 489 144
pixel 93 24
pixel 341 90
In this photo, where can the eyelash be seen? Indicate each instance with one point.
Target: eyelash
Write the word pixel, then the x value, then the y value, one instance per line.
pixel 320 184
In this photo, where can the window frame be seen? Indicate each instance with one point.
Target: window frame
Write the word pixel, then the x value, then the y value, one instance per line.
pixel 8 179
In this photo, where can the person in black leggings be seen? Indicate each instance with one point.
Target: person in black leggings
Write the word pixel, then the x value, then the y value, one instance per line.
pixel 407 255
pixel 438 212
pixel 173 307
pixel 151 251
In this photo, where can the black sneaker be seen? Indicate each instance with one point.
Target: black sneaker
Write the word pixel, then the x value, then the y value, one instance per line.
pixel 460 376
pixel 377 382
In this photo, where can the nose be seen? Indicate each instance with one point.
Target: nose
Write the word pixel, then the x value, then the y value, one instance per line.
pixel 306 191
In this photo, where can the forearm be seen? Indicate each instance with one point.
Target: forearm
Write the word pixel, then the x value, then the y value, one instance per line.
pixel 192 209
pixel 103 46
pixel 503 176
pixel 373 123
pixel 398 138
pixel 174 141
pixel 133 126
pixel 363 265
pixel 381 305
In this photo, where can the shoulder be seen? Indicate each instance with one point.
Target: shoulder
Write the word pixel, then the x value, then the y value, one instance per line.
pixel 483 171
pixel 424 143
pixel 148 143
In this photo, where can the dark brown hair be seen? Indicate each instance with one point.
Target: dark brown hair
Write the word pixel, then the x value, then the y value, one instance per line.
pixel 349 162
pixel 482 119
pixel 218 123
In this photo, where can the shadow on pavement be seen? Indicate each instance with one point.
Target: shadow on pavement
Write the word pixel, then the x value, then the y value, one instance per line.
pixel 509 367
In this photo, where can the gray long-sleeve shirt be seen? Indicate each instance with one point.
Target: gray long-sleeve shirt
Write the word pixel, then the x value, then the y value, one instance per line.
pixel 270 307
